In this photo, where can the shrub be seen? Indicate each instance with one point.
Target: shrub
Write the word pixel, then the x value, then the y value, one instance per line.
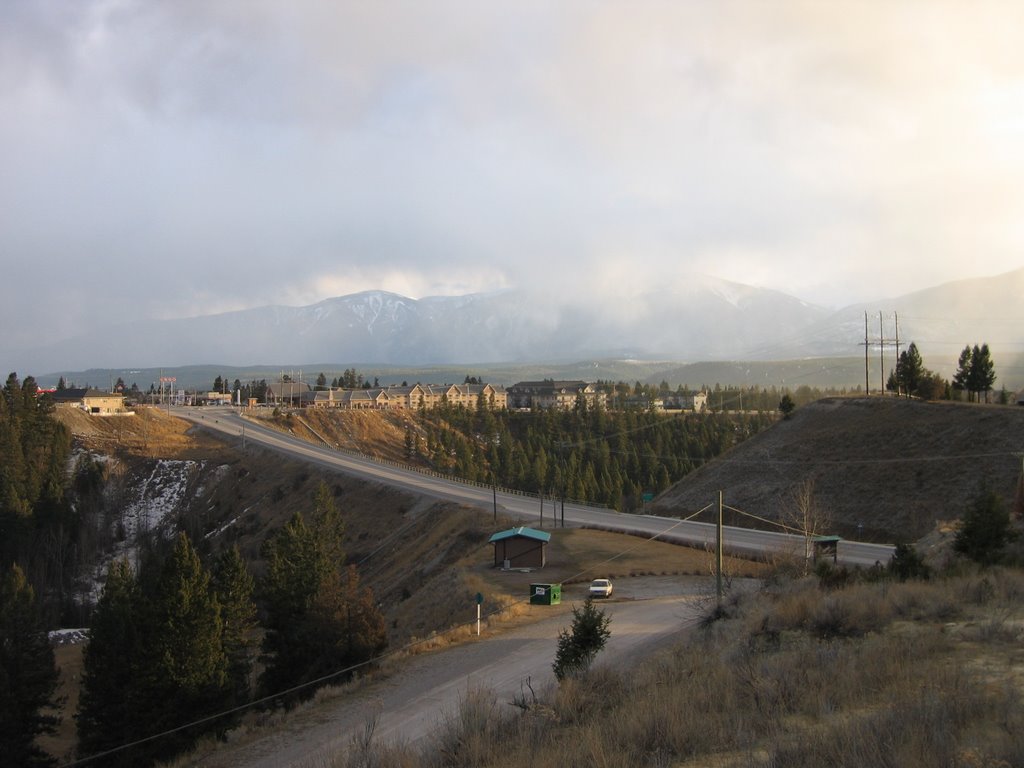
pixel 577 649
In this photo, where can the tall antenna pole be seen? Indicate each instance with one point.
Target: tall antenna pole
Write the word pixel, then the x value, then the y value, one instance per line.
pixel 881 352
pixel 867 387
pixel 896 320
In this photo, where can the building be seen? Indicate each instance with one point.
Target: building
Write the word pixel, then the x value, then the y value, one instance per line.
pixel 425 396
pixel 520 548
pixel 697 402
pixel 554 394
pixel 92 401
pixel 288 393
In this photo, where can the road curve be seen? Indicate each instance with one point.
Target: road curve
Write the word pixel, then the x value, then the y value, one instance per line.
pixel 528 508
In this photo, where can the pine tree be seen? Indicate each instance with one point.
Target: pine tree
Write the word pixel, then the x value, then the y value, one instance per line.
pixel 107 712
pixel 910 370
pixel 984 530
pixel 183 671
pixel 319 620
pixel 28 677
pixel 233 586
pixel 578 647
pixel 983 373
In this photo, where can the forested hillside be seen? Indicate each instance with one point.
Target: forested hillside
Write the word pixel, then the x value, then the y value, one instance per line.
pixel 594 455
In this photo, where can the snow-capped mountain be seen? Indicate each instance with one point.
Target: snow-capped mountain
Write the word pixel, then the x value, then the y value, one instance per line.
pixel 707 319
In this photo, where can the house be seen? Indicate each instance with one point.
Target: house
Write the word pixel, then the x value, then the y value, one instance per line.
pixel 520 548
pixel 554 394
pixel 93 401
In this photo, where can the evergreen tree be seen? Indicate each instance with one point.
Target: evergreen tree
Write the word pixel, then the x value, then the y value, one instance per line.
pixel 344 627
pixel 107 712
pixel 786 405
pixel 319 620
pixel 28 677
pixel 983 374
pixel 233 586
pixel 578 647
pixel 984 530
pixel 183 671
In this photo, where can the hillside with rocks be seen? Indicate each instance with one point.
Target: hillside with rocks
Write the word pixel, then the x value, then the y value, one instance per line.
pixel 883 469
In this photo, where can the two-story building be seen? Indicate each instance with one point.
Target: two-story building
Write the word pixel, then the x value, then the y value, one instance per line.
pixel 554 394
pixel 92 401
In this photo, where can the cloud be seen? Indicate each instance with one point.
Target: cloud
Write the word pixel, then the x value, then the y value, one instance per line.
pixel 191 157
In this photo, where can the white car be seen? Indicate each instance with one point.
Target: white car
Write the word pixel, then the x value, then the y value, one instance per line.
pixel 601 588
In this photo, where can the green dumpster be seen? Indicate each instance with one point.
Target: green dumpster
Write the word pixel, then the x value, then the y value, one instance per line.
pixel 545 594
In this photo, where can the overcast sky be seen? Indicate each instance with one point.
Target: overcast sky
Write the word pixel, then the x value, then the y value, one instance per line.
pixel 168 159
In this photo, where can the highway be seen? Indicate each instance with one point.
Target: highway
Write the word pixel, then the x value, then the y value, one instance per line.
pixel 527 508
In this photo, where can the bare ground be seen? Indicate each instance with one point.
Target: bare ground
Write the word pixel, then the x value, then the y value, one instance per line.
pixel 884 468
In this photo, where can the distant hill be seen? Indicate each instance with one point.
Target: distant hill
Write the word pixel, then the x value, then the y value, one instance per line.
pixel 703 319
pixel 887 469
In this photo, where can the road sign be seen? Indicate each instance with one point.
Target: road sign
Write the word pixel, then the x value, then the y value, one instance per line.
pixel 479 598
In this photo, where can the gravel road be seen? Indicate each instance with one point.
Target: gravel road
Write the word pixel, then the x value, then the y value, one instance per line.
pixel 411 701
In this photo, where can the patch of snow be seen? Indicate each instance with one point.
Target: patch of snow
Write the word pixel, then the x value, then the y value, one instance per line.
pixel 223 528
pixel 216 476
pixel 68 636
pixel 163 492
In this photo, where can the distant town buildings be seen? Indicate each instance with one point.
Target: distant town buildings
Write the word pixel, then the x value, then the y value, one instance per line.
pixel 417 396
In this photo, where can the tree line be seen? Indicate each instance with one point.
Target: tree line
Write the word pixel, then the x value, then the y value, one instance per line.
pixel 975 375
pixel 586 454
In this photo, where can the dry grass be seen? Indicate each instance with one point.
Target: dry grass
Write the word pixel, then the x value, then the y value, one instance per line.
pixel 797 676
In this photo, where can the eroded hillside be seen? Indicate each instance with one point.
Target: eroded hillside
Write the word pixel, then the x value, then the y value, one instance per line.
pixel 884 468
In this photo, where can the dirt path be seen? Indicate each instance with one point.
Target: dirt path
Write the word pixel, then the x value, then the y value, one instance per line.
pixel 411 702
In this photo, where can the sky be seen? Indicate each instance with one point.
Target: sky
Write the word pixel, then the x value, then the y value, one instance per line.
pixel 173 159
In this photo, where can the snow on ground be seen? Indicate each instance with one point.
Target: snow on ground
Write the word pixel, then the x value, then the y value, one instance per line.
pixel 163 492
pixel 147 509
pixel 68 636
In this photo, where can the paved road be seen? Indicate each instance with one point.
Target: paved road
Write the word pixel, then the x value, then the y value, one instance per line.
pixel 740 541
pixel 413 702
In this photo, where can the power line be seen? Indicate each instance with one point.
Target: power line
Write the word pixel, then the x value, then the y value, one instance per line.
pixel 354 667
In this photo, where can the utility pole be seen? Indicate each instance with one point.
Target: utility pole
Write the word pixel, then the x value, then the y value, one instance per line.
pixel 867 387
pixel 881 353
pixel 718 554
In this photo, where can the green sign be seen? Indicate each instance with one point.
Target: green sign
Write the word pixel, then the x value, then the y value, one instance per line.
pixel 479 598
pixel 648 497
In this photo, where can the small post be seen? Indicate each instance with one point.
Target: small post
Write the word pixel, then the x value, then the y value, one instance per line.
pixel 479 602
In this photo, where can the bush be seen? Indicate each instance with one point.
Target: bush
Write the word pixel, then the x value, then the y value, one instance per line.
pixel 577 649
pixel 985 529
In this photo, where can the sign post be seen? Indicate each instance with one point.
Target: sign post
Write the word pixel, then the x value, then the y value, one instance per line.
pixel 479 602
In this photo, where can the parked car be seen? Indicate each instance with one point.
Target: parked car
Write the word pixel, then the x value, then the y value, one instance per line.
pixel 601 588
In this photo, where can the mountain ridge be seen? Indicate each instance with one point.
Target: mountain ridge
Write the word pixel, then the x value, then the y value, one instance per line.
pixel 706 319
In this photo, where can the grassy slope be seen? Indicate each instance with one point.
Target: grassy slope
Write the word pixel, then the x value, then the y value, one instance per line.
pixel 897 467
